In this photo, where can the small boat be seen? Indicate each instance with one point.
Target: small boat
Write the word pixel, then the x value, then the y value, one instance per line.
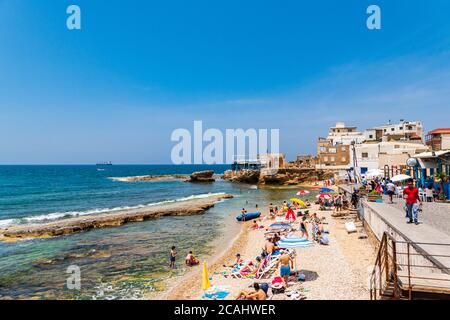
pixel 248 216
pixel 107 163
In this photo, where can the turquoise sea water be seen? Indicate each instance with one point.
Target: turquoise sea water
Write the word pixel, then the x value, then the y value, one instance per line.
pixel 126 262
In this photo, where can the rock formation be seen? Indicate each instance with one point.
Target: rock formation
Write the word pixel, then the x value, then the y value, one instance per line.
pixel 245 176
pixel 110 219
pixel 202 176
pixel 281 177
pixel 167 177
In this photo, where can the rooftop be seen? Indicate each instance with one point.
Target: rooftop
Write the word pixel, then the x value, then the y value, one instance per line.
pixel 440 131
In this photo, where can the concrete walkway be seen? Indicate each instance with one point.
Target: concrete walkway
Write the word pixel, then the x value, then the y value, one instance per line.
pixel 435 214
pixel 422 234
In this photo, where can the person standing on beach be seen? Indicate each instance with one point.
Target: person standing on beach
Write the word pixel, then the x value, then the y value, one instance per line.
pixel 269 247
pixel 286 263
pixel 411 194
pixel 304 228
pixel 173 254
pixel 290 215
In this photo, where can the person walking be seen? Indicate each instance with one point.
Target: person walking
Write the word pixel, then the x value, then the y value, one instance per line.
pixel 391 191
pixel 411 194
pixel 429 193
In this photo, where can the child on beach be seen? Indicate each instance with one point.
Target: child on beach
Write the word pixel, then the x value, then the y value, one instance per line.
pixel 173 254
pixel 254 226
pixel 191 260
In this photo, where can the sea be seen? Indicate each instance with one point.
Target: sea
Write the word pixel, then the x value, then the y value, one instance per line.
pixel 126 262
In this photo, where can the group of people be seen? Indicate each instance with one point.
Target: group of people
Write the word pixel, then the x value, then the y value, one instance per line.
pixel 190 259
pixel 287 210
pixel 411 194
pixel 339 202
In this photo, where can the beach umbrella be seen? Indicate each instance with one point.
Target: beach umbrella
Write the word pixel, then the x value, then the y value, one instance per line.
pixel 294 242
pixel 400 177
pixel 303 192
pixel 326 190
pixel 323 196
pixel 205 278
pixel 300 202
pixel 373 173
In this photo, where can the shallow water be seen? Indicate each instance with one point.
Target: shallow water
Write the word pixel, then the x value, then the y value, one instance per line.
pixel 126 262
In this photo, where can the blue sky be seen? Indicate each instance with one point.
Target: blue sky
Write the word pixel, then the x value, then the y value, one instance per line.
pixel 140 69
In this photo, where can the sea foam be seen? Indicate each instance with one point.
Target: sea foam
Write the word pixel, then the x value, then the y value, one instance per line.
pixel 69 214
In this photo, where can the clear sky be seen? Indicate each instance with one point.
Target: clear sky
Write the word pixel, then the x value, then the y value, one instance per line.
pixel 137 70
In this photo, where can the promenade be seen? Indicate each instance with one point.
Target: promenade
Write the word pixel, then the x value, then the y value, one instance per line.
pixel 422 251
pixel 434 214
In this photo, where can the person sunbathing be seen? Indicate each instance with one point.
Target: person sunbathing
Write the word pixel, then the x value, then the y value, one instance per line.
pixel 191 260
pixel 250 266
pixel 254 226
pixel 256 294
pixel 237 263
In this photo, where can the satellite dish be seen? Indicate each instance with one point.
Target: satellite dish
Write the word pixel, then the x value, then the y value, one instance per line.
pixel 412 162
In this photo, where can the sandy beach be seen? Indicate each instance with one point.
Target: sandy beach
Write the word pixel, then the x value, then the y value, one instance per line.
pixel 337 271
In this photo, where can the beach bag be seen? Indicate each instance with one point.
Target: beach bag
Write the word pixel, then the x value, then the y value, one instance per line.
pixel 278 288
pixel 324 240
pixel 264 286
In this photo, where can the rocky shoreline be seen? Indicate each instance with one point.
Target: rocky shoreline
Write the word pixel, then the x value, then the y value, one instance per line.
pixel 282 177
pixel 167 177
pixel 111 219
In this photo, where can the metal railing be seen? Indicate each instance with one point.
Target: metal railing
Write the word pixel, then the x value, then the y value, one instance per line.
pixel 404 268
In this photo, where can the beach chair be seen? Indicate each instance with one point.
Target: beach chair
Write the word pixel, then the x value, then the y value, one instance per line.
pixel 269 267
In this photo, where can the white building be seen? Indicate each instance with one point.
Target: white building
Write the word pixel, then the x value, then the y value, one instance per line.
pixel 341 134
pixel 404 130
pixel 372 156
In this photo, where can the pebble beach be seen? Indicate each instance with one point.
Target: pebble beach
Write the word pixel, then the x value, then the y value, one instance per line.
pixel 338 271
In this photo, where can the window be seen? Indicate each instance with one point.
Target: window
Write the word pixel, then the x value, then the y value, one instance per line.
pixel 332 150
pixel 325 159
pixel 344 148
pixel 344 159
pixel 332 159
pixel 323 149
pixel 396 146
pixel 370 136
pixel 384 130
pixel 365 154
pixel 401 128
pixel 392 129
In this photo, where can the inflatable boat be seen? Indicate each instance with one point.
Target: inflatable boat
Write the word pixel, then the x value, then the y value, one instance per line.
pixel 248 216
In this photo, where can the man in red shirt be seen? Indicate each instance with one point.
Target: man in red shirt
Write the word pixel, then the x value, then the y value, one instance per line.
pixel 411 194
